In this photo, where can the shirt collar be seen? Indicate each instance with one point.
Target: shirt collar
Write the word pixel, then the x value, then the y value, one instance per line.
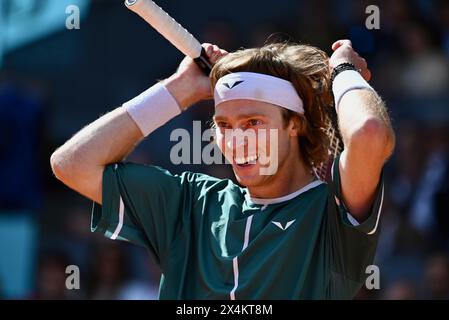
pixel 287 197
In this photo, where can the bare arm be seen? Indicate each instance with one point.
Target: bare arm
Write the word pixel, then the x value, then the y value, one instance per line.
pixel 369 141
pixel 80 162
pixel 368 137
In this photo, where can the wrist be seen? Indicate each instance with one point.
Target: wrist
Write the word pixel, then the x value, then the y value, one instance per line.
pixel 339 68
pixel 152 108
pixel 347 80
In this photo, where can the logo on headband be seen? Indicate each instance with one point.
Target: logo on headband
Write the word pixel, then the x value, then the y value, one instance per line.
pixel 235 84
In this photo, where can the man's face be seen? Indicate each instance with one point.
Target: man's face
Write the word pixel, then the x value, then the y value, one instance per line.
pixel 253 138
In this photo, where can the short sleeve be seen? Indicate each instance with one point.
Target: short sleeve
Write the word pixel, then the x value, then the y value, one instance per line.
pixel 371 225
pixel 353 244
pixel 145 205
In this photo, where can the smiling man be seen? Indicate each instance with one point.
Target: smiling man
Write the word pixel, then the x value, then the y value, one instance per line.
pixel 282 235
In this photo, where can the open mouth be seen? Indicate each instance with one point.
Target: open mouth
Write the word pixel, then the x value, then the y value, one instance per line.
pixel 246 161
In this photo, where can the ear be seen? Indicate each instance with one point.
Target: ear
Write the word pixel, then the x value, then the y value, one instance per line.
pixel 297 126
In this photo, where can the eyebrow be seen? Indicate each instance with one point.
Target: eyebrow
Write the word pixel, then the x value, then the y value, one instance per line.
pixel 240 116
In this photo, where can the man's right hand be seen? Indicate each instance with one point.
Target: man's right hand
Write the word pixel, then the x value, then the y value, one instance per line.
pixel 189 85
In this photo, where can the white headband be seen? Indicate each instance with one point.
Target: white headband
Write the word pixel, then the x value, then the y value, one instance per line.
pixel 259 87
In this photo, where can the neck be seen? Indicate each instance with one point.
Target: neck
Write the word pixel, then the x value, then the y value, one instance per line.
pixel 291 176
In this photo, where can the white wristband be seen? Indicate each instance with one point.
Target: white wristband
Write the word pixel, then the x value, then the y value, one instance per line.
pixel 346 81
pixel 152 108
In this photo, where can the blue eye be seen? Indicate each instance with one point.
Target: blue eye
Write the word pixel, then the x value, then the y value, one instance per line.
pixel 222 125
pixel 254 122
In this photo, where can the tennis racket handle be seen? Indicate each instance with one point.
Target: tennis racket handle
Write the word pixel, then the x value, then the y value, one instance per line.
pixel 171 30
pixel 166 26
pixel 203 62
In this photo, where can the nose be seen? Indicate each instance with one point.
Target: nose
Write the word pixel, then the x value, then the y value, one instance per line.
pixel 241 143
pixel 236 139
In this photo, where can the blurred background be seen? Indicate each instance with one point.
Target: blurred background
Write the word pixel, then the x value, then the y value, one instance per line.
pixel 54 81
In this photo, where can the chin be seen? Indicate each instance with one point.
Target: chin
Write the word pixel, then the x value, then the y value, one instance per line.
pixel 248 180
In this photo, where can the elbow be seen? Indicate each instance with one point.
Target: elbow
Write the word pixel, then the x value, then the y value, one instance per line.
pixel 60 165
pixel 69 169
pixel 374 136
pixel 56 164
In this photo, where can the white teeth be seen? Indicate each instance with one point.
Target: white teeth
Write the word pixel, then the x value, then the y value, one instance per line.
pixel 250 159
pixel 240 160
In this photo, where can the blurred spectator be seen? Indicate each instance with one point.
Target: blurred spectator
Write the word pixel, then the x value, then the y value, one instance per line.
pixel 77 239
pixel 442 12
pixel 310 19
pixel 110 276
pixel 437 277
pixel 143 288
pixel 51 278
pixel 401 290
pixel 406 164
pixel 365 294
pixel 108 273
pixel 424 216
pixel 223 32
pixel 441 207
pixel 267 32
pixel 425 71
pixel 391 223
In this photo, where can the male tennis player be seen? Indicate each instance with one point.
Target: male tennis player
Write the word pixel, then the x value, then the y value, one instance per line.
pixel 286 235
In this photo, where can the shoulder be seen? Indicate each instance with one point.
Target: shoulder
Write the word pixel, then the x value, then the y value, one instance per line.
pixel 151 175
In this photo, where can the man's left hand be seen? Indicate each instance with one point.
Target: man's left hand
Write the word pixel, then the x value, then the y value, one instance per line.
pixel 343 52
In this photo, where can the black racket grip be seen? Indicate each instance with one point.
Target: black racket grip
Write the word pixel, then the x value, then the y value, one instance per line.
pixel 203 62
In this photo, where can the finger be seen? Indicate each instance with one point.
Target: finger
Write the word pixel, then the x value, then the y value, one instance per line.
pixel 218 54
pixel 221 54
pixel 360 63
pixel 339 43
pixel 369 75
pixel 215 53
pixel 208 47
pixel 366 74
pixel 336 45
pixel 363 63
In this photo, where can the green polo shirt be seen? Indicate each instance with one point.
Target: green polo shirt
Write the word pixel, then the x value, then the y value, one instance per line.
pixel 213 241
